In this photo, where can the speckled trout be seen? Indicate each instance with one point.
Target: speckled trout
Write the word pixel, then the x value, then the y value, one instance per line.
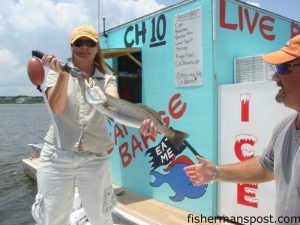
pixel 129 114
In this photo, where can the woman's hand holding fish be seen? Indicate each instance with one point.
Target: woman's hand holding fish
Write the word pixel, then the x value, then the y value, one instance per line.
pixel 202 173
pixel 148 128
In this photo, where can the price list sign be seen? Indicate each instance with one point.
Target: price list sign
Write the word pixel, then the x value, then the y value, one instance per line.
pixel 188 48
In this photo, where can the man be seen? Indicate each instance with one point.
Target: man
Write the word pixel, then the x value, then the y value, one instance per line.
pixel 281 159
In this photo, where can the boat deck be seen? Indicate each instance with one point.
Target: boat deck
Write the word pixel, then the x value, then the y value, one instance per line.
pixel 147 210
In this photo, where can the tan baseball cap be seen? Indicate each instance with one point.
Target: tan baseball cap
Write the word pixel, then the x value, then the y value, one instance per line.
pixel 84 31
pixel 289 52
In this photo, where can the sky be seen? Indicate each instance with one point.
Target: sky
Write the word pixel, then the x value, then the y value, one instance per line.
pixel 26 25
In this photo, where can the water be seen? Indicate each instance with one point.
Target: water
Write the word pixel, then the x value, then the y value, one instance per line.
pixel 19 126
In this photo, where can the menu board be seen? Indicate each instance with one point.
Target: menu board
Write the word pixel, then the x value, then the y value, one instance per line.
pixel 188 46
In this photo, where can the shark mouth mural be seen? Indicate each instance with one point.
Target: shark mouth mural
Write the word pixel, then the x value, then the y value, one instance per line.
pixel 243 146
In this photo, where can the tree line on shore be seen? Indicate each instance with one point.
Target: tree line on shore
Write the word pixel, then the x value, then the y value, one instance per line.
pixel 21 99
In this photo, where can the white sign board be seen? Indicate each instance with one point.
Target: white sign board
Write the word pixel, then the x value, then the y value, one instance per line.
pixel 248 114
pixel 188 50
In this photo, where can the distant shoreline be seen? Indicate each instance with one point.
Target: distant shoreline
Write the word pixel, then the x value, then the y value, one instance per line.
pixel 21 99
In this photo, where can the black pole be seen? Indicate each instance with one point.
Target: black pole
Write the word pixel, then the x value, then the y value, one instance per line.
pixel 191 148
pixel 104 34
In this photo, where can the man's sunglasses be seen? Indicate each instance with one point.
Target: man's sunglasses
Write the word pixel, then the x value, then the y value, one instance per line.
pixel 284 67
pixel 80 43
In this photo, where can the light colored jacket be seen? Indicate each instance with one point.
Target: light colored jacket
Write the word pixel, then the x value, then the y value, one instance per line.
pixel 79 120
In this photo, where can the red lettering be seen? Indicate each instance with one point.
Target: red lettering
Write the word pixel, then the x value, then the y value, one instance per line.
pixel 135 145
pixel 242 146
pixel 173 108
pixel 247 197
pixel 245 102
pixel 165 120
pixel 125 129
pixel 118 132
pixel 295 29
pixel 124 154
pixel 246 193
pixel 241 22
pixel 264 27
pixel 251 26
pixel 145 140
pixel 223 17
pixel 245 112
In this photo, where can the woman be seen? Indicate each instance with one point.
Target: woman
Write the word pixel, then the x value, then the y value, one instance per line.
pixel 75 149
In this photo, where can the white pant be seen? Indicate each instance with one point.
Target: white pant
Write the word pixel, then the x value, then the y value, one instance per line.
pixel 57 173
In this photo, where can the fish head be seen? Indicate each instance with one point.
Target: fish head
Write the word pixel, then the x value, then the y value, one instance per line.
pixel 93 93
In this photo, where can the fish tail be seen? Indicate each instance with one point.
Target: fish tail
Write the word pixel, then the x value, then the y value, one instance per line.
pixel 177 137
pixel 159 179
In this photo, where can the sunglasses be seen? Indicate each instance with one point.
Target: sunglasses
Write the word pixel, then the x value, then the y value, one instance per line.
pixel 283 68
pixel 80 43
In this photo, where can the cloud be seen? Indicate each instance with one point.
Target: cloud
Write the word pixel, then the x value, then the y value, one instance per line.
pixel 26 25
pixel 10 78
pixel 7 62
pixel 254 4
pixel 125 9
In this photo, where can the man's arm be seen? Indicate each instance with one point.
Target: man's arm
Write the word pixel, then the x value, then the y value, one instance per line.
pixel 248 171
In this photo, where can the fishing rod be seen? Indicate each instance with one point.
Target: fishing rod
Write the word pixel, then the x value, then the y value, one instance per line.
pixel 66 67
pixel 36 72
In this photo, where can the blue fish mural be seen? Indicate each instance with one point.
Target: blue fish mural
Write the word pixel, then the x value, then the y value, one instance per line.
pixel 178 181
